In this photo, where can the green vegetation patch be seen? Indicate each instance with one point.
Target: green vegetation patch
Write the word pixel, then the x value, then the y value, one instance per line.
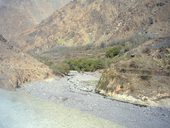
pixel 60 69
pixel 112 52
pixel 86 64
pixel 83 58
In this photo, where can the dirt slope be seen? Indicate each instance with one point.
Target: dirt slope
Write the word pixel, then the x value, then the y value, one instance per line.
pixel 17 68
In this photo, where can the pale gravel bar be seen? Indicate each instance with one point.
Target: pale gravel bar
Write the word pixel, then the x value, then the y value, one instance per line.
pixel 77 91
pixel 22 111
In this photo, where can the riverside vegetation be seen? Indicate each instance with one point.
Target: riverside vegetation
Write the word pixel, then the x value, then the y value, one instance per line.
pixel 88 62
pixel 124 67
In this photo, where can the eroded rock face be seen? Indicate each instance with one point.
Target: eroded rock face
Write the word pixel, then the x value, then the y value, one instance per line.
pixel 17 68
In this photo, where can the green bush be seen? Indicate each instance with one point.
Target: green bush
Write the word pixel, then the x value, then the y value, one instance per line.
pixel 86 64
pixel 60 69
pixel 112 52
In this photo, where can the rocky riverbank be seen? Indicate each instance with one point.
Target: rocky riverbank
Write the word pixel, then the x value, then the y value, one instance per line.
pixel 77 91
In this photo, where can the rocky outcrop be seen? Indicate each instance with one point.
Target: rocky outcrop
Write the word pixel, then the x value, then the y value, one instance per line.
pixel 17 68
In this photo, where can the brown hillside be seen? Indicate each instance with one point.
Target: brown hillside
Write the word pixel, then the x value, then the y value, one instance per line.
pixel 101 21
pixel 143 73
pixel 19 15
pixel 17 68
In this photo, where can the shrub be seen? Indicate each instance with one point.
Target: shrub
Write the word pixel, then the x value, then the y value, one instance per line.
pixel 85 64
pixel 112 52
pixel 145 77
pixel 60 69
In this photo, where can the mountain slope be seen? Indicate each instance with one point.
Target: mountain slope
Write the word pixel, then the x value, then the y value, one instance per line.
pixel 101 21
pixel 17 68
pixel 143 73
pixel 19 15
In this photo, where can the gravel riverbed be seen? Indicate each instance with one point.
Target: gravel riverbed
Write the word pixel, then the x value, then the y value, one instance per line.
pixel 77 91
pixel 18 110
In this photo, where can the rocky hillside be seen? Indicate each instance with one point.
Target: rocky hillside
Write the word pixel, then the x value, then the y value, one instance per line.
pixel 101 21
pixel 17 68
pixel 19 15
pixel 143 73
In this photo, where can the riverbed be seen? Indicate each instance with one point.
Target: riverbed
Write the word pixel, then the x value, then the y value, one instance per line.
pixel 76 91
pixel 18 110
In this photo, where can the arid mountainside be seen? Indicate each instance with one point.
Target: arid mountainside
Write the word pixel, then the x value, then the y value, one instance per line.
pixel 143 72
pixel 19 15
pixel 101 21
pixel 17 68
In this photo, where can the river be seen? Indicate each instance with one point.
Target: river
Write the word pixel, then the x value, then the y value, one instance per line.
pixel 71 101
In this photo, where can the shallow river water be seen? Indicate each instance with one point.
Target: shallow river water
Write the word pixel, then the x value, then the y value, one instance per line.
pixel 68 96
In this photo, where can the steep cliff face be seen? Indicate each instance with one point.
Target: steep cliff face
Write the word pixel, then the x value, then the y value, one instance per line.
pixel 19 15
pixel 17 68
pixel 101 21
